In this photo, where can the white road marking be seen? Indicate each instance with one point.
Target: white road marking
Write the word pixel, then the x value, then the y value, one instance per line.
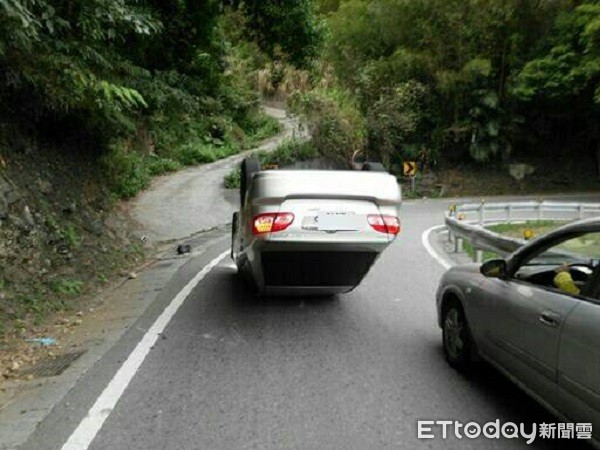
pixel 91 424
pixel 435 255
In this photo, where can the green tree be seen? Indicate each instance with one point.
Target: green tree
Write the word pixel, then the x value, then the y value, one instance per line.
pixel 63 54
pixel 284 28
pixel 189 42
pixel 464 52
pixel 563 83
pixel 396 122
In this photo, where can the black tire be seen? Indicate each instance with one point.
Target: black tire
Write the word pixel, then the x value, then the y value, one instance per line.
pixel 250 166
pixel 373 167
pixel 456 336
pixel 234 230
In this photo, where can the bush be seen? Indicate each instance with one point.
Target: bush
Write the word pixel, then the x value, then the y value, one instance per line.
pixel 395 123
pixel 127 171
pixel 66 286
pixel 195 153
pixel 226 150
pixel 159 166
pixel 233 179
pixel 260 126
pixel 337 128
pixel 288 152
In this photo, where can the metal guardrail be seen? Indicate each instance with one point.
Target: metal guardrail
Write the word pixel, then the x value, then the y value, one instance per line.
pixel 467 222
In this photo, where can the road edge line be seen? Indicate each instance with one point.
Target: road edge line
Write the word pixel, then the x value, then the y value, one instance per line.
pixel 434 254
pixel 92 423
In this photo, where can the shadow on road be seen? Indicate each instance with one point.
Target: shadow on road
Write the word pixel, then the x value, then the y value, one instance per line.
pixel 512 402
pixel 243 295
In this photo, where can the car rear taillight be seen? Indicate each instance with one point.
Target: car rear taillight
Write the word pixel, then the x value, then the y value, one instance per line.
pixel 392 223
pixel 377 223
pixel 384 224
pixel 271 222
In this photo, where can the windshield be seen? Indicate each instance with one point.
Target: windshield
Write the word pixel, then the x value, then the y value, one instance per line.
pixel 583 249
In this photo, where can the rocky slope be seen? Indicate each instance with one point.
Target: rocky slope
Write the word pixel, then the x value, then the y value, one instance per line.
pixel 61 237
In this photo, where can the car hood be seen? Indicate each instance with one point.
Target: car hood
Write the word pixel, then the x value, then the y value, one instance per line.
pixel 461 275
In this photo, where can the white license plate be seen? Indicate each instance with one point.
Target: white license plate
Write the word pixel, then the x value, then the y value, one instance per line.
pixel 337 221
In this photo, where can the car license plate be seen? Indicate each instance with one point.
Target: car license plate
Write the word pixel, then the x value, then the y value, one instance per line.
pixel 339 221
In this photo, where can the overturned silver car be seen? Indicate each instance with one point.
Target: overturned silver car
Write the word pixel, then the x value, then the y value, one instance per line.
pixel 312 232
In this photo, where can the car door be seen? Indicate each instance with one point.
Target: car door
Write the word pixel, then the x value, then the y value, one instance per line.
pixel 522 332
pixel 579 361
pixel 528 312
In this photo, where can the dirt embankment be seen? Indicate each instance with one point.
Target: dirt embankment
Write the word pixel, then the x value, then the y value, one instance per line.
pixel 61 238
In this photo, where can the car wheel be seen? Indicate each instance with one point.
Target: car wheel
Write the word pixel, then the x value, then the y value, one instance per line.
pixel 250 166
pixel 373 167
pixel 234 231
pixel 456 336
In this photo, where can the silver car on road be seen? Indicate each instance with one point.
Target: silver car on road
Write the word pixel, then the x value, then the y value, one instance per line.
pixel 312 232
pixel 540 329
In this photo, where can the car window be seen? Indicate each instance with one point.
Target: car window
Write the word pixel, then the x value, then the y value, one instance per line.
pixel 584 248
pixel 571 266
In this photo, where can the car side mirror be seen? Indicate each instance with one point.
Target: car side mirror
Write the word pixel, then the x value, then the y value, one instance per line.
pixel 494 268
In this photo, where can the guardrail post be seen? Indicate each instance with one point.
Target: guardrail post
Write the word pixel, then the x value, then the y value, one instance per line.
pixel 481 209
pixel 508 213
pixel 581 210
pixel 458 245
pixel 479 256
pixel 539 210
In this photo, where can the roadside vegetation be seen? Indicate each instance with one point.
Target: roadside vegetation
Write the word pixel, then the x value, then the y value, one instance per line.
pixel 518 230
pixel 502 90
pixel 471 252
pixel 148 85
pixel 534 228
pixel 288 152
pixel 98 97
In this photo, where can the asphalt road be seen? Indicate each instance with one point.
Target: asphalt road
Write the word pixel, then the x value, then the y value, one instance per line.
pixel 353 372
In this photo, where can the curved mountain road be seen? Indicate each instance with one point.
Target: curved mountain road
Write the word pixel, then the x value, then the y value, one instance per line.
pixel 179 205
pixel 230 371
pixel 209 366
